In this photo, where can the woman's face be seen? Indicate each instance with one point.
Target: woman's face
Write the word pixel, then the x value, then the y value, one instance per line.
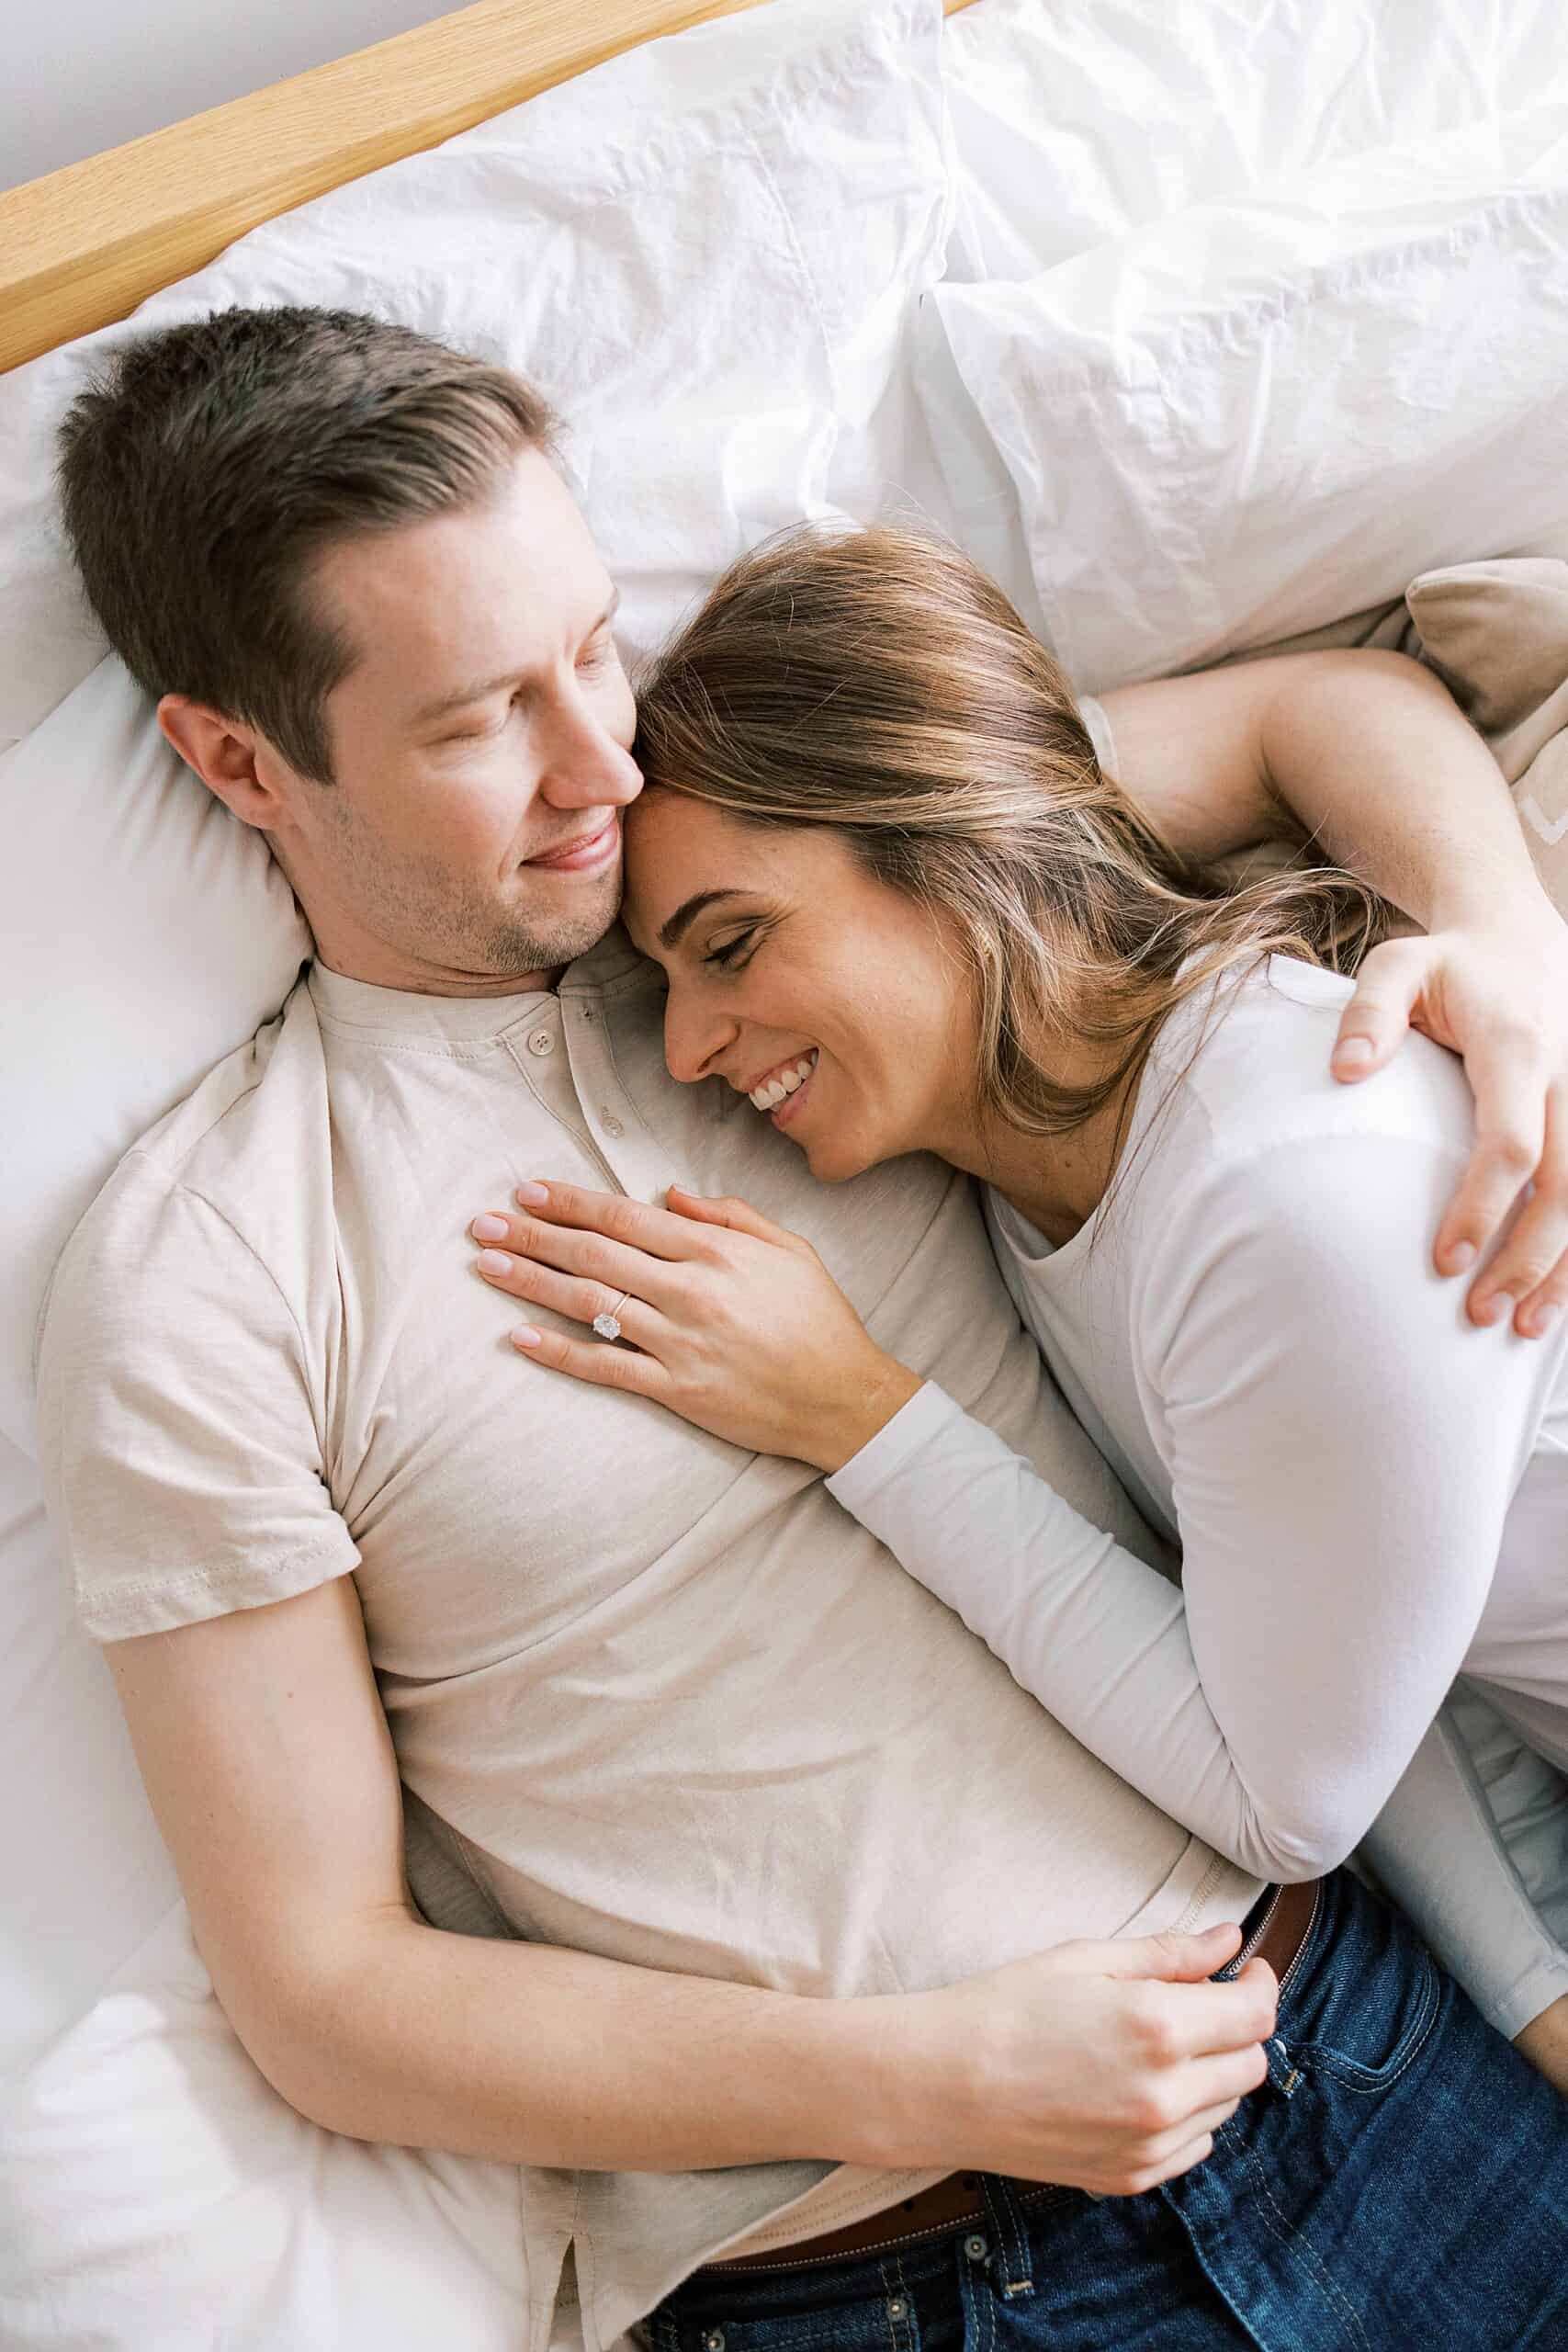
pixel 791 967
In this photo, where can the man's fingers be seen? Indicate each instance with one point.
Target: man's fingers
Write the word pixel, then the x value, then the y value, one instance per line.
pixel 1224 2079
pixel 1174 1959
pixel 1198 2125
pixel 1515 1281
pixel 1378 1016
pixel 1146 2176
pixel 1215 2020
pixel 1195 2102
pixel 1541 1311
pixel 1528 1276
pixel 1510 1127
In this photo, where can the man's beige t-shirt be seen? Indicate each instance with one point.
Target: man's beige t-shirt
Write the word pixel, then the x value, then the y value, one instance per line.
pixel 652 1697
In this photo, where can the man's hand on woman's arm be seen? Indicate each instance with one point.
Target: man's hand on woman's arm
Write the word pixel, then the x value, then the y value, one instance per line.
pixel 1498 996
pixel 1366 755
pixel 262 1741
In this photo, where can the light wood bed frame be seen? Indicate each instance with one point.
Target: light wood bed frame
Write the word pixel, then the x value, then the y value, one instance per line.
pixel 84 245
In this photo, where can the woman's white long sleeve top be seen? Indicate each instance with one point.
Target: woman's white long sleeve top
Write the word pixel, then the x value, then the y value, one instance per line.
pixel 1370 1494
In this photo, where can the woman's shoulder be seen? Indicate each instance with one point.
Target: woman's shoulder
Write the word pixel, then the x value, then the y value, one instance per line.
pixel 1243 1075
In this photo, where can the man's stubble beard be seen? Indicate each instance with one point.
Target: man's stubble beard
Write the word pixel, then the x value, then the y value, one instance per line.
pixel 419 912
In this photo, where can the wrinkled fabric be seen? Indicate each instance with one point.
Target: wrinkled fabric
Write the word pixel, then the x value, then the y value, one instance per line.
pixel 1257 414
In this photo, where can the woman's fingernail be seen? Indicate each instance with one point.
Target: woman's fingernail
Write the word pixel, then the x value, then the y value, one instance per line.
pixel 489 1229
pixel 525 1336
pixel 1492 1310
pixel 1461 1260
pixel 532 1196
pixel 494 1261
pixel 1542 1320
pixel 1354 1053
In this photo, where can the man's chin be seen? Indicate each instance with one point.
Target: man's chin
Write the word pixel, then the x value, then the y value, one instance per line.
pixel 549 942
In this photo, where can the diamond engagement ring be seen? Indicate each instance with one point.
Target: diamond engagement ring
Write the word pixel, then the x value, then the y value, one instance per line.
pixel 608 1325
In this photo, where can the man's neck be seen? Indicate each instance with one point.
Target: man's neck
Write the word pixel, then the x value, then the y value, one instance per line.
pixel 423 980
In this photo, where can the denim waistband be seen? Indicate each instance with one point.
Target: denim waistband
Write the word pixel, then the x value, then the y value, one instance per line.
pixel 1401 2177
pixel 997 2241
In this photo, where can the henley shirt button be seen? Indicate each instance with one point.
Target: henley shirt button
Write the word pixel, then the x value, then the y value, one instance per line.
pixel 542 1041
pixel 976 2248
pixel 612 1124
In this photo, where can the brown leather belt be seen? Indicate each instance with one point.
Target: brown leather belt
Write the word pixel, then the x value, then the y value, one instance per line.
pixel 1278 1938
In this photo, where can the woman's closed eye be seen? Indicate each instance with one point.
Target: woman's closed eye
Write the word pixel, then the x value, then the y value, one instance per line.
pixel 733 952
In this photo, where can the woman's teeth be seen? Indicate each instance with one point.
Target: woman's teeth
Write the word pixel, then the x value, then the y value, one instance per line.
pixel 783 1082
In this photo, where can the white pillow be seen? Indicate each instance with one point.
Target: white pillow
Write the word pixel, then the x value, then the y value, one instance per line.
pixel 85 1874
pixel 144 934
pixel 1262 414
pixel 158 2194
pixel 1082 121
pixel 706 252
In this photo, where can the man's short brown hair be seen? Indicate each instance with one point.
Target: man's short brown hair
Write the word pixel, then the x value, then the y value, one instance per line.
pixel 203 471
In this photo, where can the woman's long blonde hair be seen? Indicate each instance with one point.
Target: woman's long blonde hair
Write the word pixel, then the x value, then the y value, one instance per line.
pixel 875 682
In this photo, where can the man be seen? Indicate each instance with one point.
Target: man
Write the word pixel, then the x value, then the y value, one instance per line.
pixel 681 1752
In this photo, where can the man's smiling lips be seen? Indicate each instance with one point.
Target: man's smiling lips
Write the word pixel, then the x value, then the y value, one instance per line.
pixel 584 852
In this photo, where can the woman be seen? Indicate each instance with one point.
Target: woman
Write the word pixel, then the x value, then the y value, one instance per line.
pixel 903 908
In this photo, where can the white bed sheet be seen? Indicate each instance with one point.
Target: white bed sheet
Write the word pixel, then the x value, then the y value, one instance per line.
pixel 85 1873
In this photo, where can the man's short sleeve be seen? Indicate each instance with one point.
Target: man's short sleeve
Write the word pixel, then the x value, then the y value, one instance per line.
pixel 179 1421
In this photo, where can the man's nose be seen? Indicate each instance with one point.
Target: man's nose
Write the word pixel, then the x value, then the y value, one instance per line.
pixel 693 1038
pixel 585 764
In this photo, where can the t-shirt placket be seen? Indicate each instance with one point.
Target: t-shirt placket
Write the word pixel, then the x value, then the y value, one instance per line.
pixel 642 1167
pixel 536 1051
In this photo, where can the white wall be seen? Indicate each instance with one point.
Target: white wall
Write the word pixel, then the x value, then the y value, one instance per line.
pixel 77 75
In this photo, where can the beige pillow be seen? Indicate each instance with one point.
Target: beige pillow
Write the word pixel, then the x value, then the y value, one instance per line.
pixel 1497 636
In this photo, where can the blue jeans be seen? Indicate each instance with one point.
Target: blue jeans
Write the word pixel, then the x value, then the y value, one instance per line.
pixel 1400 2181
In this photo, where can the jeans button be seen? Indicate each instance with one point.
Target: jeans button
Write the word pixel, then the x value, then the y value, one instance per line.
pixel 714 2340
pixel 897 2307
pixel 976 2248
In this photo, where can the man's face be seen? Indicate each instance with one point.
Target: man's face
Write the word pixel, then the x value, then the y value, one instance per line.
pixel 469 840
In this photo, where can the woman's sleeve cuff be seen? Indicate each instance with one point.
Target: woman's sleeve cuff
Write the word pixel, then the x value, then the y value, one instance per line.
pixel 929 1412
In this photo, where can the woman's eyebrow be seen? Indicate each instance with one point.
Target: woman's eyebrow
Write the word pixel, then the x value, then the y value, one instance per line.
pixel 686 913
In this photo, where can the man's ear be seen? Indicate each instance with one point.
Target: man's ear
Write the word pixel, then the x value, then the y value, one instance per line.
pixel 222 752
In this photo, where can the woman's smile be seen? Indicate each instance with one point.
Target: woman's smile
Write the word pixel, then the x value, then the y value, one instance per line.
pixel 779 1091
pixel 830 1002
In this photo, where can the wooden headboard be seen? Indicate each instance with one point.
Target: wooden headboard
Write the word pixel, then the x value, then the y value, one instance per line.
pixel 84 245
